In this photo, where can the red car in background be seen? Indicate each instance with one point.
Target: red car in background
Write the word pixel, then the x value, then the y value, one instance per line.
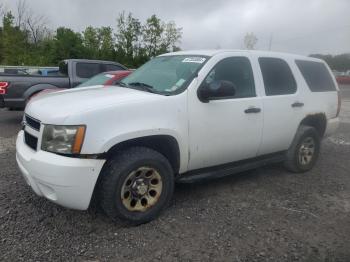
pixel 343 79
pixel 106 79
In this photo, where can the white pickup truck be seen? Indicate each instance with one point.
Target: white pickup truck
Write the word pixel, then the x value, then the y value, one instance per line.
pixel 182 116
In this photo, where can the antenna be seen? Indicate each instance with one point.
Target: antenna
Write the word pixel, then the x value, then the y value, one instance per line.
pixel 270 42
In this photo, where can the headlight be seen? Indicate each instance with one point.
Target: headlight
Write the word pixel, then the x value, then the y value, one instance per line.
pixel 63 139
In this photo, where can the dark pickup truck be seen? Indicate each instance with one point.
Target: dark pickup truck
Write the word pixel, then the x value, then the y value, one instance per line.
pixel 16 90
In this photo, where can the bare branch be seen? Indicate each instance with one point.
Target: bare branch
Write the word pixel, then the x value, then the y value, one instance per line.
pixel 22 10
pixel 2 9
pixel 250 40
pixel 37 27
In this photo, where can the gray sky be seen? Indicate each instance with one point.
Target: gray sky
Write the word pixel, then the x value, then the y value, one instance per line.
pixel 297 26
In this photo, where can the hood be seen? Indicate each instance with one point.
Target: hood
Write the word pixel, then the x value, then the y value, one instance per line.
pixel 57 106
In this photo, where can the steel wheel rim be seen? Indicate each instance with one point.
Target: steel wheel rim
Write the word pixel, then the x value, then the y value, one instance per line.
pixel 141 189
pixel 306 151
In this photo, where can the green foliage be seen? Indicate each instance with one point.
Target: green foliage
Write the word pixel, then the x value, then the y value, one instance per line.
pixel 67 44
pixel 132 43
pixel 152 36
pixel 337 62
pixel 91 42
pixel 14 44
pixel 128 39
pixel 106 43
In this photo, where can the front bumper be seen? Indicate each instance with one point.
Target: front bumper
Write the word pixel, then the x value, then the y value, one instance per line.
pixel 66 181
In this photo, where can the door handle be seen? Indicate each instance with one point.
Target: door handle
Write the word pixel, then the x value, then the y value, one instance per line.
pixel 251 110
pixel 297 104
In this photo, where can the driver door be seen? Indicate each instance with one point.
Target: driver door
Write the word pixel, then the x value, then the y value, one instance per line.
pixel 226 129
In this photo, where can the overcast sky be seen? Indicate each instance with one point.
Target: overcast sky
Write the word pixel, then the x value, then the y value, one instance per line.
pixel 296 26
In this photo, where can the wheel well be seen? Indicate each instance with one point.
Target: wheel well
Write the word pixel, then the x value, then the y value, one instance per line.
pixel 318 121
pixel 164 144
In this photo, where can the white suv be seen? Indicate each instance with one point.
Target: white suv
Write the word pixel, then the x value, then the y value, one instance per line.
pixel 182 116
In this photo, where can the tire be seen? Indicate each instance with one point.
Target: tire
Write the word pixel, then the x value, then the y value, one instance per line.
pixel 115 185
pixel 298 152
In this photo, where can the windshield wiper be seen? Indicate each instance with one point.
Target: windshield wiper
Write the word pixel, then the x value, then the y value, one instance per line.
pixel 121 84
pixel 144 86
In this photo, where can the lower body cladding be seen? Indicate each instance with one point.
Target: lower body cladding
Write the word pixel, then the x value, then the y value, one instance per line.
pixel 66 181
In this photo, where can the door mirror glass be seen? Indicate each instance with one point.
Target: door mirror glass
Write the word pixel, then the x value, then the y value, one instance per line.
pixel 217 89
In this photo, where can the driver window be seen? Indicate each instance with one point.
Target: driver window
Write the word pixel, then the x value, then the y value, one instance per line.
pixel 238 71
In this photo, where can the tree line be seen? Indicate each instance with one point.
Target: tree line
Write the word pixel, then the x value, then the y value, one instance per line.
pixel 25 39
pixel 336 62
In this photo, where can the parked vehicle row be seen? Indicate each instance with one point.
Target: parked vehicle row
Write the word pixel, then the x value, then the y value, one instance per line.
pixel 16 90
pixel 182 116
pixel 20 70
pixel 342 77
pixel 344 80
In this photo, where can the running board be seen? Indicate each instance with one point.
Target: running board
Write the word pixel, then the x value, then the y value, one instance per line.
pixel 229 169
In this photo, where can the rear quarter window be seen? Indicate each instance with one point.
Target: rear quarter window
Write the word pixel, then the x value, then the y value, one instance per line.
pixel 316 76
pixel 87 70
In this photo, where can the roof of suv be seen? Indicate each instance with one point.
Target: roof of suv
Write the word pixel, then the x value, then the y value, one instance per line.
pixel 213 52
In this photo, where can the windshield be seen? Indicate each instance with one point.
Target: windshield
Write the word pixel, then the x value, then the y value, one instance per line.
pixel 99 79
pixel 165 74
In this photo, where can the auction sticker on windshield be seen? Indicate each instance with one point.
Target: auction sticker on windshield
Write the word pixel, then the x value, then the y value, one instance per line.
pixel 198 60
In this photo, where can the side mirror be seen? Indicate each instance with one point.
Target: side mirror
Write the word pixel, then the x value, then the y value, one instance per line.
pixel 218 89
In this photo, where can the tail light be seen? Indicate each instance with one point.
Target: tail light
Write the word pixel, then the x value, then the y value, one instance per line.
pixel 3 88
pixel 339 104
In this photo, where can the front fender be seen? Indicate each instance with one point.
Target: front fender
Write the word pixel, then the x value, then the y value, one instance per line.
pixel 139 134
pixel 153 132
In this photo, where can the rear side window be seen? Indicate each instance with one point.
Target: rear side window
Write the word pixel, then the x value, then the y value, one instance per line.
pixel 87 70
pixel 316 76
pixel 278 78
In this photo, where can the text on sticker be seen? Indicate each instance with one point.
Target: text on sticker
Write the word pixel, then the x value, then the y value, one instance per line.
pixel 198 60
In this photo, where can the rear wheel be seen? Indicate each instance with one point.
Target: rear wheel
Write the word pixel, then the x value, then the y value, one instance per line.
pixel 304 151
pixel 136 185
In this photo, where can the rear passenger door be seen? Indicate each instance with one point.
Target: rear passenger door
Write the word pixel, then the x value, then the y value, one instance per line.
pixel 282 103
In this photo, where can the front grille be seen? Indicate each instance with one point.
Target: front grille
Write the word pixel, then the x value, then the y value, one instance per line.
pixel 30 140
pixel 33 123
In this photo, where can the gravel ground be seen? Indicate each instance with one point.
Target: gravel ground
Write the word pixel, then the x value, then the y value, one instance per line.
pixel 266 214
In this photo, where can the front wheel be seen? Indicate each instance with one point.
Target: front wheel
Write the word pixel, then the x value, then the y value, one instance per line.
pixel 136 185
pixel 303 153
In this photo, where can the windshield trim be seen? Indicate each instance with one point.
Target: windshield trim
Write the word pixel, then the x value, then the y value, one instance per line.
pixel 184 86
